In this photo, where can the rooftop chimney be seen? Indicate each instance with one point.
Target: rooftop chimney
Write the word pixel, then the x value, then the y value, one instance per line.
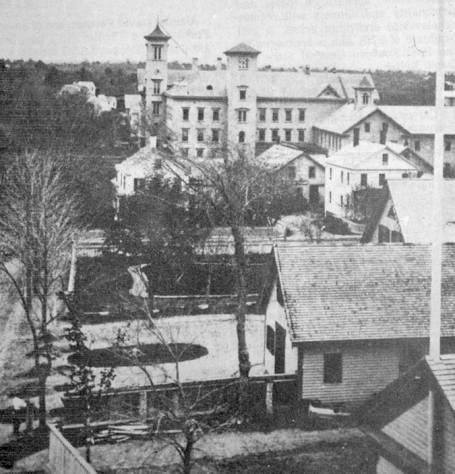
pixel 195 66
pixel 219 64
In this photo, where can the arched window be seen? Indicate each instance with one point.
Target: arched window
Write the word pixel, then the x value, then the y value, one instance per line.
pixel 365 98
pixel 241 137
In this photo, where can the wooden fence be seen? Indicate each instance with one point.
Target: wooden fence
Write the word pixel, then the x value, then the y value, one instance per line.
pixel 141 403
pixel 64 458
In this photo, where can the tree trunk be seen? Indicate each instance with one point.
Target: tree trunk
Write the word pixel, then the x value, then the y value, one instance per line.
pixel 187 456
pixel 243 354
pixel 42 397
pixel 88 431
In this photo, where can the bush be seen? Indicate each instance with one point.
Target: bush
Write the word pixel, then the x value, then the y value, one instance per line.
pixel 335 225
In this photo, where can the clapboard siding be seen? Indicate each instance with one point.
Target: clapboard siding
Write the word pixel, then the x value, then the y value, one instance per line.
pixel 448 436
pixel 386 467
pixel 411 429
pixel 366 370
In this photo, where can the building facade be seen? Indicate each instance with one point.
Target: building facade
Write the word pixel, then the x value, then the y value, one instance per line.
pixel 335 316
pixel 239 104
pixel 367 165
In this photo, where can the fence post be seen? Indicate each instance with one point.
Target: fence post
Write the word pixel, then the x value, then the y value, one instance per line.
pixel 143 411
pixel 269 398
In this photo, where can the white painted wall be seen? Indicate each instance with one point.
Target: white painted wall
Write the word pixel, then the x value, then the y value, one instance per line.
pixel 175 122
pixel 367 369
pixel 336 187
pixel 314 112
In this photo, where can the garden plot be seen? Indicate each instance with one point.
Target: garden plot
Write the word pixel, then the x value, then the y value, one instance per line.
pixel 211 340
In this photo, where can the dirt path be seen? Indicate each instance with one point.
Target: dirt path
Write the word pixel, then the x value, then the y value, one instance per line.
pixel 135 454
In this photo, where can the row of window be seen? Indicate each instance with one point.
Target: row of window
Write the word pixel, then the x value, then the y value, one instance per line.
pixel 288 115
pixel 241 113
pixel 292 172
pixel 200 114
pixel 200 135
pixel 288 136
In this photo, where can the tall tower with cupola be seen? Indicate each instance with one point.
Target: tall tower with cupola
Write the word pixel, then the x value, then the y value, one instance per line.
pixel 241 80
pixel 155 78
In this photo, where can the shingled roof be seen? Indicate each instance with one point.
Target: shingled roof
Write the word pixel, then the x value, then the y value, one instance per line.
pixel 444 372
pixel 362 292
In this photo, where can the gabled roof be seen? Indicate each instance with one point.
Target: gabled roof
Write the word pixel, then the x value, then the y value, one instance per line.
pixel 280 155
pixel 365 84
pixel 242 48
pixel 157 34
pixel 412 201
pixel 343 119
pixel 143 164
pixel 419 119
pixel 444 373
pixel 368 156
pixel 362 292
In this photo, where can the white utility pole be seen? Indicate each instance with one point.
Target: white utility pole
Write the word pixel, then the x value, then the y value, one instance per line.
pixel 438 190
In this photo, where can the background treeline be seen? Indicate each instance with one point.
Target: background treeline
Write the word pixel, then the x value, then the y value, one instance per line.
pixel 116 79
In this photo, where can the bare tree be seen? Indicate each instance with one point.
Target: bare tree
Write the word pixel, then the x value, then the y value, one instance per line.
pixel 181 414
pixel 240 191
pixel 36 230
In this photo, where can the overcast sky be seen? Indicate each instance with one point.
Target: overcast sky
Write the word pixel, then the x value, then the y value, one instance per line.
pixel 396 34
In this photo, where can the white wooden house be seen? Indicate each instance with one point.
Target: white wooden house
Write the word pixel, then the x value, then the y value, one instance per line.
pixel 304 171
pixel 349 318
pixel 367 165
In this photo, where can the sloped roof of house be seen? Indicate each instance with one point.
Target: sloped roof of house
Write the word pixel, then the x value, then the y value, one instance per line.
pixel 444 373
pixel 419 119
pixel 269 84
pixel 280 155
pixel 345 118
pixel 413 119
pixel 368 156
pixel 362 292
pixel 242 48
pixel 412 200
pixel 148 161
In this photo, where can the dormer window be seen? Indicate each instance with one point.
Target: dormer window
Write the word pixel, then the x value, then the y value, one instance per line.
pixel 365 98
pixel 243 63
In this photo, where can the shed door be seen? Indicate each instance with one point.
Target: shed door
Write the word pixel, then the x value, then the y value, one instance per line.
pixel 280 347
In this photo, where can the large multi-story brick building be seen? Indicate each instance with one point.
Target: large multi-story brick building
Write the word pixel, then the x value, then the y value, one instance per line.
pixel 238 103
